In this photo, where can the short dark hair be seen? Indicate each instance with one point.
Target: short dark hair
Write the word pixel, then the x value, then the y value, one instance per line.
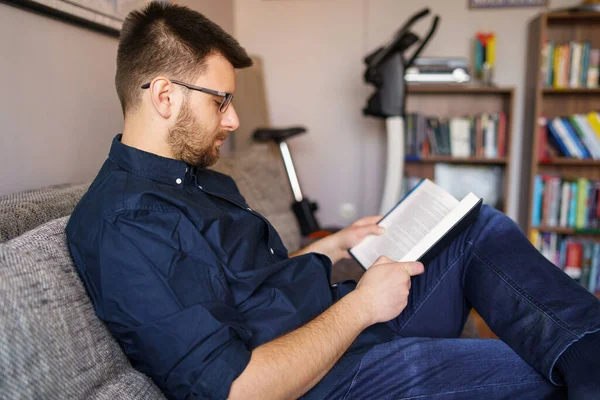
pixel 172 40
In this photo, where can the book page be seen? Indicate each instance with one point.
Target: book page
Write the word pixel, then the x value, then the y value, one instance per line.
pixel 407 224
pixel 446 224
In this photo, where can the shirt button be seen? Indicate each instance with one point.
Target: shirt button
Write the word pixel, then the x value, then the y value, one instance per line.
pixel 272 252
pixel 186 170
pixel 178 180
pixel 200 187
pixel 249 209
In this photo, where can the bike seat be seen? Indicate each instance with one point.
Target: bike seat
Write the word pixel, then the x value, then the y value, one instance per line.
pixel 278 135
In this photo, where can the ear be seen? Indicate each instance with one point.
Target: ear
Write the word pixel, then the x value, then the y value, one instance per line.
pixel 164 96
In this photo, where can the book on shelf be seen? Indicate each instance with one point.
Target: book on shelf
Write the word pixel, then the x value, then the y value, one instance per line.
pixel 424 222
pixel 578 258
pixel 566 203
pixel 575 136
pixel 569 65
pixel 483 136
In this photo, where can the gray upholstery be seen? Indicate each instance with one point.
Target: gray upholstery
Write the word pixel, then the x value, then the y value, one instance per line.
pixel 260 176
pixel 23 211
pixel 52 345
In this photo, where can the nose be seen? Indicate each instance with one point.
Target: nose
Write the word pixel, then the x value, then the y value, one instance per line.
pixel 230 121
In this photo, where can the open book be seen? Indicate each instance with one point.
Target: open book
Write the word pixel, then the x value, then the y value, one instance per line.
pixel 420 226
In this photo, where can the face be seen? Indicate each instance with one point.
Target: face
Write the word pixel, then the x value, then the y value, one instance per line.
pixel 200 128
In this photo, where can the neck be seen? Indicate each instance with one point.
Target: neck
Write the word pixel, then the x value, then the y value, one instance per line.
pixel 146 138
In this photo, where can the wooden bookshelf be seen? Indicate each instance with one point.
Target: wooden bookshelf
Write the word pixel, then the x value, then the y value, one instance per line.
pixel 458 100
pixel 569 231
pixel 460 160
pixel 570 161
pixel 560 27
pixel 570 91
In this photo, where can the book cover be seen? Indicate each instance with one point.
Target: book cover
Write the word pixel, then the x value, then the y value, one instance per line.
pixel 582 149
pixel 575 67
pixel 586 264
pixel 589 133
pixel 585 63
pixel 582 201
pixel 573 205
pixel 501 135
pixel 560 138
pixel 593 68
pixel 538 194
pixel 594 120
pixel 564 204
pixel 573 260
pixel 595 269
pixel 589 142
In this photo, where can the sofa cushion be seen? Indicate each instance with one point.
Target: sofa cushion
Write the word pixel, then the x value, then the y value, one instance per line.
pixel 52 345
pixel 23 211
pixel 260 175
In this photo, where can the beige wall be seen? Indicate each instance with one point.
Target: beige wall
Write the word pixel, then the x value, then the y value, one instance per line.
pixel 313 50
pixel 59 110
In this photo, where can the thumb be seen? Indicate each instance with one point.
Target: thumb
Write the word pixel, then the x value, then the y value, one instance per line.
pixel 413 268
pixel 382 260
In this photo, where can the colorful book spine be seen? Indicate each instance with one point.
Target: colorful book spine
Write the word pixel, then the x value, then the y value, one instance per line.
pixel 573 206
pixel 582 196
pixel 569 65
pixel 565 203
pixel 538 194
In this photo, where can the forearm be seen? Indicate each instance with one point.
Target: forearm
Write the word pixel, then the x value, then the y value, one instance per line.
pixel 326 246
pixel 290 365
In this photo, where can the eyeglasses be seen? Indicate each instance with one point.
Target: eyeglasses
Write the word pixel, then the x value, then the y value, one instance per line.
pixel 227 97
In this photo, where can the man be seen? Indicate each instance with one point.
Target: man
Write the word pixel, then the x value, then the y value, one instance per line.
pixel 202 296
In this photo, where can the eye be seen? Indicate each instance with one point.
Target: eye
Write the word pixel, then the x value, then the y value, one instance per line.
pixel 218 103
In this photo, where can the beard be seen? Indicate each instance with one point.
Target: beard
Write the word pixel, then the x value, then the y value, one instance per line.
pixel 191 142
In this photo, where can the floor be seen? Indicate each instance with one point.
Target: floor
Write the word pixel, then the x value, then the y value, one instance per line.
pixel 483 330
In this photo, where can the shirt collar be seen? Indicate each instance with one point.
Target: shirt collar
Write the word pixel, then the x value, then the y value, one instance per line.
pixel 139 162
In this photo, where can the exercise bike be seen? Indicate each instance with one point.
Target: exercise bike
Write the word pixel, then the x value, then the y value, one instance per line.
pixel 385 70
pixel 303 208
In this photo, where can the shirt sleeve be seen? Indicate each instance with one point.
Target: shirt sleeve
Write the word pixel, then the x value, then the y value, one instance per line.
pixel 161 290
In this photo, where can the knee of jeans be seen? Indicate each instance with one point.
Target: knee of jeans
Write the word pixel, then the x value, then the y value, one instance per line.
pixel 490 217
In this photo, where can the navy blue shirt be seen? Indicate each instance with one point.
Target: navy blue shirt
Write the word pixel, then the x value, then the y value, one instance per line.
pixel 187 277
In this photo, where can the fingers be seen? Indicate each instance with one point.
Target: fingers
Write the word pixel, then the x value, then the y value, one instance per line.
pixel 363 231
pixel 368 220
pixel 413 268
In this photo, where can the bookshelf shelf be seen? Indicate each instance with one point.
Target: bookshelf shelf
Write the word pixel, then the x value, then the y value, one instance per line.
pixel 570 91
pixel 447 101
pixel 568 231
pixel 460 160
pixel 459 89
pixel 570 161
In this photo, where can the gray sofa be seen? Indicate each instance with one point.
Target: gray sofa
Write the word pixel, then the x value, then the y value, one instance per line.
pixel 52 345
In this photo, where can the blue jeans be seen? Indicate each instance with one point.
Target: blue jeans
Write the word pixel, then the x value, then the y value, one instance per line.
pixel 534 307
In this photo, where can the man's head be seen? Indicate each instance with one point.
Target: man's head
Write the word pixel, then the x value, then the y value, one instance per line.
pixel 168 57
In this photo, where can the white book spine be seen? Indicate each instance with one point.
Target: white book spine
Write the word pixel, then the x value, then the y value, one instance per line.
pixel 576 65
pixel 566 138
pixel 490 139
pixel 564 204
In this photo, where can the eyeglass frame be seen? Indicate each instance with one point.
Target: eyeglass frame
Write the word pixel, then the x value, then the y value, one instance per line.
pixel 227 97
